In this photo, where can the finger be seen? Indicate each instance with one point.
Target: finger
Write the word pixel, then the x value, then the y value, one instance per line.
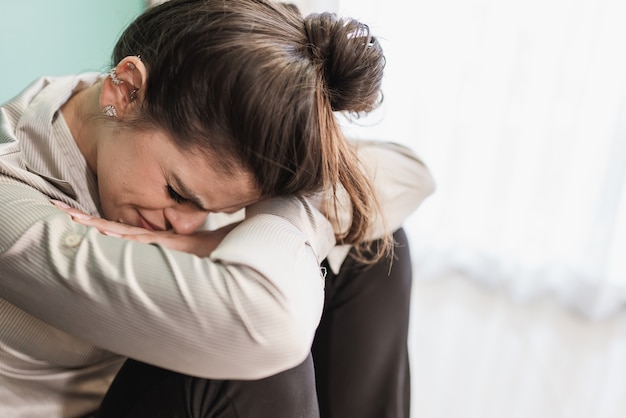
pixel 106 227
pixel 111 227
pixel 70 210
pixel 199 245
pixel 151 238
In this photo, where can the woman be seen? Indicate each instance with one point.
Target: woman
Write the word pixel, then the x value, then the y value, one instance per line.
pixel 211 107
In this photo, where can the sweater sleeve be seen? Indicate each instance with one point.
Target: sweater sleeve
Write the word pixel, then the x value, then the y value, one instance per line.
pixel 401 182
pixel 247 312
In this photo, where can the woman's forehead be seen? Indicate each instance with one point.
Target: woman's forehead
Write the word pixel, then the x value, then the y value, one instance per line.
pixel 199 176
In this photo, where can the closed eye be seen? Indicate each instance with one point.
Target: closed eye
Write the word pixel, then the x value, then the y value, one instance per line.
pixel 175 196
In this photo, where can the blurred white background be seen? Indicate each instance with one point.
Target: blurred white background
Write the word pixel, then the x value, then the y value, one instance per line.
pixel 519 109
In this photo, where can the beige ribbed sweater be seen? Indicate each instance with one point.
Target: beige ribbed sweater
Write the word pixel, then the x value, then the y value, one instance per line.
pixel 72 297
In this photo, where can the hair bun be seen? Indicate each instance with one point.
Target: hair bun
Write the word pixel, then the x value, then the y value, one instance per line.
pixel 350 58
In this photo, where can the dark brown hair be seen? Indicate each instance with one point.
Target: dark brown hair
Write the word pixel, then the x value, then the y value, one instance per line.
pixel 255 83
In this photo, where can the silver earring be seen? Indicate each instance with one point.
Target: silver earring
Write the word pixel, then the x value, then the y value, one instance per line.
pixel 114 78
pixel 110 111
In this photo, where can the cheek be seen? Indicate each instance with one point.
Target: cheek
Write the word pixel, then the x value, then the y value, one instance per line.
pixel 114 171
pixel 108 199
pixel 124 193
pixel 130 177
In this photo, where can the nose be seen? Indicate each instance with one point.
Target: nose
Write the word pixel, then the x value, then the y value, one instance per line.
pixel 183 220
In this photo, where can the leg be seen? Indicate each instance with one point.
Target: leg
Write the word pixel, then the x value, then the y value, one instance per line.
pixel 360 349
pixel 143 391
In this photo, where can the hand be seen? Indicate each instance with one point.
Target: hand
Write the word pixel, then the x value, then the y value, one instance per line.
pixel 200 243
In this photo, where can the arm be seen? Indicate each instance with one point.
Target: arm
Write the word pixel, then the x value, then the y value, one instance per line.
pixel 248 311
pixel 201 242
pixel 401 181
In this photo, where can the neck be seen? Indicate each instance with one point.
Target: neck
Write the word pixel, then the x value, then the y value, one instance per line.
pixel 82 115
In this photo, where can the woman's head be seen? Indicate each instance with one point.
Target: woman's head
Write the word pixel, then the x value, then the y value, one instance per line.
pixel 147 180
pixel 254 83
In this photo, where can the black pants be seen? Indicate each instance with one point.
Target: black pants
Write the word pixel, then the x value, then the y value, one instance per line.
pixel 360 355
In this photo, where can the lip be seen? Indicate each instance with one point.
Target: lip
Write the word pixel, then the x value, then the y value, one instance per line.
pixel 145 224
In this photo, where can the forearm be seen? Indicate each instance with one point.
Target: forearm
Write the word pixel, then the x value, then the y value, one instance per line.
pixel 248 311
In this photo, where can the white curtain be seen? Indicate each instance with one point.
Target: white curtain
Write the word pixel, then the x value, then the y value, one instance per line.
pixel 519 109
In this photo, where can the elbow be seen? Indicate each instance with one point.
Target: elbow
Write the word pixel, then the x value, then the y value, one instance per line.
pixel 281 336
pixel 296 339
pixel 291 335
pixel 287 355
pixel 413 187
pixel 274 308
pixel 280 344
pixel 279 350
pixel 422 185
pixel 291 345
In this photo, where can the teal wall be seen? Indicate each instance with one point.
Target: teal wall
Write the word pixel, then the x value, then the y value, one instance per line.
pixel 55 37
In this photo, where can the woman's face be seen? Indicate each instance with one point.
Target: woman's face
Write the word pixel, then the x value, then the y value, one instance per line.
pixel 145 180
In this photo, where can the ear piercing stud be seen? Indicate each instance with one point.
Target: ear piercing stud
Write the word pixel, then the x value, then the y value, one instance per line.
pixel 114 78
pixel 110 111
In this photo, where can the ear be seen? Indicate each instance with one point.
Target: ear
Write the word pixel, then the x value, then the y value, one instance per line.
pixel 124 86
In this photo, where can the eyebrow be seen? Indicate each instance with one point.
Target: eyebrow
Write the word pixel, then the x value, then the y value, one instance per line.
pixel 188 194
